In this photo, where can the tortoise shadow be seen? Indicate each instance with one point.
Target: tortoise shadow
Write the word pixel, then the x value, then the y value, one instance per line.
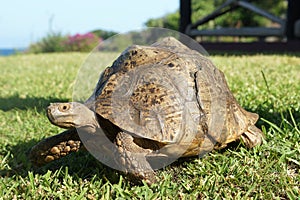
pixel 78 165
pixel 267 112
pixel 85 166
pixel 16 101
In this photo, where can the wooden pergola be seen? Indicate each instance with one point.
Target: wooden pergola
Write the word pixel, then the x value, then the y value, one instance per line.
pixel 288 29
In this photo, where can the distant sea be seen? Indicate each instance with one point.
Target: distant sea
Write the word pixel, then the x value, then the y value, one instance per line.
pixel 8 52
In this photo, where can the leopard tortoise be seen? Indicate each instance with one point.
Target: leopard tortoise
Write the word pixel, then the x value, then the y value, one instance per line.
pixel 163 100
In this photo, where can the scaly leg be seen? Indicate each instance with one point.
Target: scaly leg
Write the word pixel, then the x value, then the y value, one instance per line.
pixel 132 158
pixel 55 147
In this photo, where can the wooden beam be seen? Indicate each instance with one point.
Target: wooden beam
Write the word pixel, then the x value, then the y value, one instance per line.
pixel 261 12
pixel 245 31
pixel 185 15
pixel 252 47
pixel 293 14
pixel 221 10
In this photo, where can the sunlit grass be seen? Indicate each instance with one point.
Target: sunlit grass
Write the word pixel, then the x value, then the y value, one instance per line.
pixel 266 84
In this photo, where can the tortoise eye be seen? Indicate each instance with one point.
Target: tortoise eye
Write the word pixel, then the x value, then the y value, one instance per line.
pixel 64 107
pixel 170 65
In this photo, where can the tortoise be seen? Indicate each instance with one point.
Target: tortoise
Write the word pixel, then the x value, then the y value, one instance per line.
pixel 160 101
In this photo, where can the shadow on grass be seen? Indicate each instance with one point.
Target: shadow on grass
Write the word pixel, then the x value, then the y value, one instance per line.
pixel 267 112
pixel 78 165
pixel 85 166
pixel 24 103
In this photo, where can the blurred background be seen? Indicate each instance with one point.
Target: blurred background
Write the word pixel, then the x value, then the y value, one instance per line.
pixel 55 26
pixel 24 23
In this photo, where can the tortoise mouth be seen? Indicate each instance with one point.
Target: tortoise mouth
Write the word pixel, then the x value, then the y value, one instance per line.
pixel 49 115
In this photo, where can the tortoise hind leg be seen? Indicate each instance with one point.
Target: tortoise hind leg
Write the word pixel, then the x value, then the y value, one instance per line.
pixel 253 136
pixel 132 159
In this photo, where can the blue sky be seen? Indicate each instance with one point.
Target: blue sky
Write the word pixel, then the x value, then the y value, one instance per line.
pixel 26 21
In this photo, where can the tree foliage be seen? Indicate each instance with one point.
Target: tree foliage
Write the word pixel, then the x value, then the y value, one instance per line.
pixel 104 34
pixel 238 18
pixel 169 21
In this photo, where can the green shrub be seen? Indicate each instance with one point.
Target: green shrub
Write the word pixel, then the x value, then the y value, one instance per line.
pixel 53 42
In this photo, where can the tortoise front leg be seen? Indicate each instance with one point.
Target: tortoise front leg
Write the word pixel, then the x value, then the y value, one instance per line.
pixel 55 147
pixel 132 159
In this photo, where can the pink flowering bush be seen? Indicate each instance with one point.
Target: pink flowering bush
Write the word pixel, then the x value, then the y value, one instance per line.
pixel 81 42
pixel 56 42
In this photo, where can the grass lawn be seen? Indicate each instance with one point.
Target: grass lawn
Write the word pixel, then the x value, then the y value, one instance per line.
pixel 266 84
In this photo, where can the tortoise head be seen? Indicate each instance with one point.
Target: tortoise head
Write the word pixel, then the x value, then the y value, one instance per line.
pixel 71 115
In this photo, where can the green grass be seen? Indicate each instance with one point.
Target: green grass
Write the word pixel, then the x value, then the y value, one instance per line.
pixel 266 84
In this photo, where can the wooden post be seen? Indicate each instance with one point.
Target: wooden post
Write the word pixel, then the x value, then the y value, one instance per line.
pixel 185 15
pixel 293 14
